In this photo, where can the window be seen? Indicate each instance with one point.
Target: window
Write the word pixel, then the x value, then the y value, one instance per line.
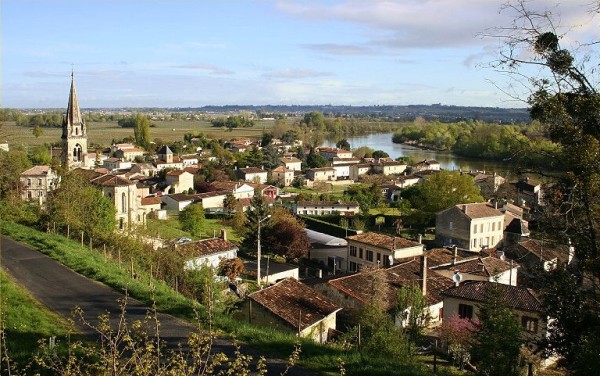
pixel 465 311
pixel 474 243
pixel 370 256
pixel 529 324
pixel 29 182
pixel 493 226
pixel 40 181
pixel 360 253
pixel 352 251
pixel 124 203
pixel 352 266
pixel 475 229
pixel 451 225
pixel 481 227
pixel 378 257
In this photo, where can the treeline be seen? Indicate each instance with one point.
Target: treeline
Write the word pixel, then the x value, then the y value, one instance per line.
pixel 236 121
pixel 524 143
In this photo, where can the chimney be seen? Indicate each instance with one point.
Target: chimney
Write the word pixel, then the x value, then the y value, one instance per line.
pixel 394 246
pixel 454 254
pixel 464 208
pixel 420 239
pixel 424 274
pixel 224 234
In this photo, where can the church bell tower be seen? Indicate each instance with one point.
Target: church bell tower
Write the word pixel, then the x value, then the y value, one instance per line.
pixel 74 134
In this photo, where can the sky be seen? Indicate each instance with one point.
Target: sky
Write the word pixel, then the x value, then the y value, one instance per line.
pixel 159 53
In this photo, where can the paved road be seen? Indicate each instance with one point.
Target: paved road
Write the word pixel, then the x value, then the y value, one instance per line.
pixel 61 289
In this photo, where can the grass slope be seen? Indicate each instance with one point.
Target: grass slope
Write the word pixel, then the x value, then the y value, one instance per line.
pixel 322 358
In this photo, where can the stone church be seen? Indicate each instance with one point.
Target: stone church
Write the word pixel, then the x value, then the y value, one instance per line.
pixel 74 134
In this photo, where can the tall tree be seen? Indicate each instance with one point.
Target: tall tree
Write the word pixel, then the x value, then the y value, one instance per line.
pixel 565 100
pixel 141 131
pixel 192 218
pixel 499 337
pixel 343 144
pixel 286 236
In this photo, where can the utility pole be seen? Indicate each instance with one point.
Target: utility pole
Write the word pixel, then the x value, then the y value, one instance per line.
pixel 258 251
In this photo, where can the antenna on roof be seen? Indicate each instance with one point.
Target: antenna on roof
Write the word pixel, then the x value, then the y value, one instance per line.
pixel 457 277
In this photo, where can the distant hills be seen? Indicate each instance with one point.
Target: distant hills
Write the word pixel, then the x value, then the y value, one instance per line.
pixel 409 112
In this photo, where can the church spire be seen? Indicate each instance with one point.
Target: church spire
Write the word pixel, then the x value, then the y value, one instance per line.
pixel 73 112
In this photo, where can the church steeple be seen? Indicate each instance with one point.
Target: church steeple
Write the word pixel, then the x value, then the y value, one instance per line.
pixel 74 135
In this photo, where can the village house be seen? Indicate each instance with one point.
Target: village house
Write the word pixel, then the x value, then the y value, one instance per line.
pixel 355 291
pixel 473 266
pixel 342 171
pixel 464 300
pixel 389 168
pixel 37 182
pixel 426 165
pixel 376 249
pixel 330 153
pixel 470 226
pixel 326 207
pixel 252 174
pixel 293 305
pixel 190 160
pixel 179 181
pixel 145 169
pixel 327 250
pixel 283 175
pixel 127 152
pixel 116 164
pixel 321 174
pixel 530 192
pixel 208 252
pixel 271 271
pixel 239 190
pixel 291 163
pixel 344 161
pixel 210 201
pixel 483 180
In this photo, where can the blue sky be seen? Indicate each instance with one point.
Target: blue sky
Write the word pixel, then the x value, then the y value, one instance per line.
pixel 193 53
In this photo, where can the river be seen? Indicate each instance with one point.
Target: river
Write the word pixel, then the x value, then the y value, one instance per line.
pixel 448 161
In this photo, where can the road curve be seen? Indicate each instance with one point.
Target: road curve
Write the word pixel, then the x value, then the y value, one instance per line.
pixel 61 289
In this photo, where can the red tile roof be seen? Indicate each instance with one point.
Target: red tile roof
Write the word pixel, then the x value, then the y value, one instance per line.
pixel 207 247
pixel 295 303
pixel 514 297
pixel 384 241
pixel 37 170
pixel 112 181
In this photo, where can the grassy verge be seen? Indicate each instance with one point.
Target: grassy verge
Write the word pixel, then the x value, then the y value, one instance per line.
pixel 322 358
pixel 26 321
pixel 171 229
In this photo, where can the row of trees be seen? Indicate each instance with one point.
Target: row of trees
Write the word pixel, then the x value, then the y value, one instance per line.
pixel 231 122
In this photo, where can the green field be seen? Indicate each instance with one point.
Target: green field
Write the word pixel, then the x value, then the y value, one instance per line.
pixel 103 133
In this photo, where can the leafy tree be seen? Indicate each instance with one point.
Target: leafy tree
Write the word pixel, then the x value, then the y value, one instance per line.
pixel 230 202
pixel 343 144
pixel 564 99
pixel 314 120
pixel 191 219
pixel 443 190
pixel 286 236
pixel 363 152
pixel 258 211
pixel 231 268
pixel 141 131
pixel 368 196
pixel 12 164
pixel 40 155
pixel 458 333
pixel 412 305
pixel 37 131
pixel 77 205
pixel 499 337
pixel 380 154
pixel 314 160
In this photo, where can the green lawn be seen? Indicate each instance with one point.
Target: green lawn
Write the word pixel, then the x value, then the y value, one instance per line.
pixel 26 321
pixel 171 229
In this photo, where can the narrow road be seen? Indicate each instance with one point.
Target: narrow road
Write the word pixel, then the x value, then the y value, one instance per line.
pixel 61 289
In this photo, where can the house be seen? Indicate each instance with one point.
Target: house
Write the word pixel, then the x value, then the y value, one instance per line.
pixel 473 267
pixel 265 190
pixel 342 171
pixel 376 249
pixel 535 255
pixel 530 191
pixel 482 179
pixel 330 153
pixel 129 153
pixel 37 182
pixel 291 163
pixel 209 200
pixel 190 160
pixel 389 168
pixel 344 161
pixel 146 169
pixel 252 174
pixel 355 291
pixel 237 189
pixel 293 305
pixel 208 252
pixel 359 169
pixel 470 226
pixel 179 181
pixel 326 207
pixel 271 271
pixel 116 164
pixel 283 175
pixel 321 174
pixel 464 300
pixel 329 251
pixel 426 165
